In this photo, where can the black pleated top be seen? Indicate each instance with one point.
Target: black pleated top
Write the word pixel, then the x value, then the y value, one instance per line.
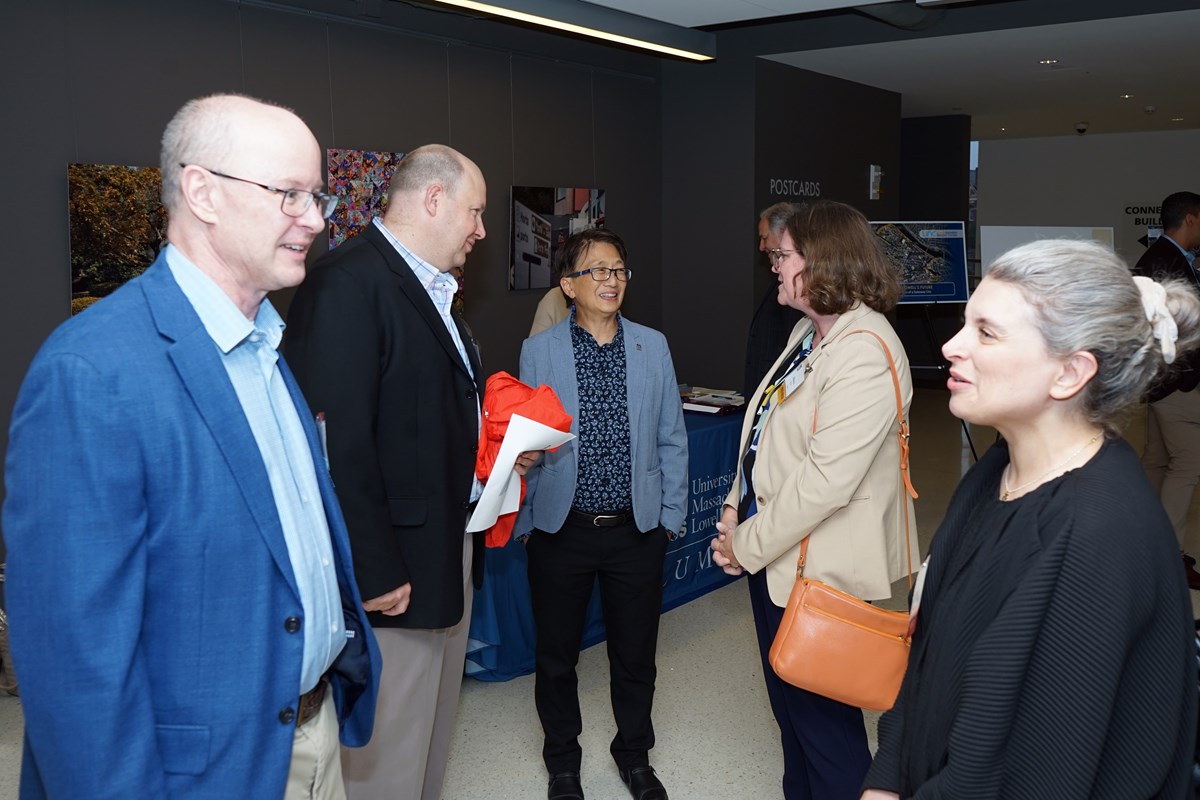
pixel 1053 655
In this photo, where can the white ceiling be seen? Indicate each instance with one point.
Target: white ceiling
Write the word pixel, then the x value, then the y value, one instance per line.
pixel 995 76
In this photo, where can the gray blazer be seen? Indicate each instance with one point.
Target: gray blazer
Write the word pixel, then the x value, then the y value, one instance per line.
pixel 658 440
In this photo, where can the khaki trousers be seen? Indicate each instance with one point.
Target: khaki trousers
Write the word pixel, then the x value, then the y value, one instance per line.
pixel 414 716
pixel 316 770
pixel 1172 455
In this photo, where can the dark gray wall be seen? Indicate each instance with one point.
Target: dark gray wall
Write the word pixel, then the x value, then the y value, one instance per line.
pixel 707 216
pixel 816 138
pixel 729 129
pixel 97 82
pixel 682 149
pixel 935 152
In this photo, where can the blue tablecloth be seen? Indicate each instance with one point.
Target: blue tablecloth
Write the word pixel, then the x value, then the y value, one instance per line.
pixel 502 634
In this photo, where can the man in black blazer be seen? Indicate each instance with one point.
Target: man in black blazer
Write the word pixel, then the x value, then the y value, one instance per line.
pixel 1172 455
pixel 380 353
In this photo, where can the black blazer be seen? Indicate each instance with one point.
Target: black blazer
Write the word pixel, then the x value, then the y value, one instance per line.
pixel 1162 261
pixel 371 353
pixel 770 330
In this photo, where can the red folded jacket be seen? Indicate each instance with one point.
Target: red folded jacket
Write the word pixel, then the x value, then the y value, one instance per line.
pixel 504 396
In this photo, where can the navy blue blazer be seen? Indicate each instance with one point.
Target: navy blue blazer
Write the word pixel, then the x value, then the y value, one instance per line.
pixel 150 593
pixel 658 439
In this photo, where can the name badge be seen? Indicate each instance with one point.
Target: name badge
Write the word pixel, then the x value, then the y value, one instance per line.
pixel 791 383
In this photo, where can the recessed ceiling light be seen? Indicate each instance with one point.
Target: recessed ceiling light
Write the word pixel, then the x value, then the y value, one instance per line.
pixel 1126 97
pixel 1048 61
pixel 1003 129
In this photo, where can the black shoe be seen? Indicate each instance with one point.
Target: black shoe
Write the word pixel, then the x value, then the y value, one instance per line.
pixel 565 786
pixel 1193 577
pixel 643 784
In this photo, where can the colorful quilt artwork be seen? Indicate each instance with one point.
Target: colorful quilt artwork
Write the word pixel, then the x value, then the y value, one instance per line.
pixel 361 179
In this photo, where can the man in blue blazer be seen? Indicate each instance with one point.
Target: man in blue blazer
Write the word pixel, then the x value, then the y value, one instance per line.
pixel 602 507
pixel 183 609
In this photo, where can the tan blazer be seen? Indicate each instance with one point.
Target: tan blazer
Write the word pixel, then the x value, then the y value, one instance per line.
pixel 828 464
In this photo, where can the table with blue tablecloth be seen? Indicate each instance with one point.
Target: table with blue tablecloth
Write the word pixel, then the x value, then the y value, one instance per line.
pixel 502 632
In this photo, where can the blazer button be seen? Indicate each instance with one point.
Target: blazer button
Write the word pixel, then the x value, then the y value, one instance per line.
pixel 475 447
pixel 760 500
pixel 467 506
pixel 291 624
pixel 470 394
pixel 287 716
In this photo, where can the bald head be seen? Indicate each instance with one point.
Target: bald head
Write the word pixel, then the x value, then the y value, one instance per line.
pixel 427 165
pixel 436 203
pixel 223 132
pixel 240 178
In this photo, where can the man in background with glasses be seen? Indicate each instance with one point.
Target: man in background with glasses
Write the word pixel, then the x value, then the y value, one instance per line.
pixel 183 609
pixel 773 322
pixel 382 354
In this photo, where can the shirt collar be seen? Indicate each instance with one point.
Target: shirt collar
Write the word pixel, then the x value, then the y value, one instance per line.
pixel 1188 254
pixel 223 320
pixel 577 330
pixel 430 277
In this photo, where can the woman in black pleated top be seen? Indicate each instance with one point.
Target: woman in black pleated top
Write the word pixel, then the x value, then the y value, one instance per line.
pixel 1053 653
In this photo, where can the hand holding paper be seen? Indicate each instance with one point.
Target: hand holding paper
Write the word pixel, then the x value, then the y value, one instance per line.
pixel 502 492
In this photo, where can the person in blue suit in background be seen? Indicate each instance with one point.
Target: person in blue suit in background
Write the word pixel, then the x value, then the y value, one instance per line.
pixel 182 607
pixel 602 506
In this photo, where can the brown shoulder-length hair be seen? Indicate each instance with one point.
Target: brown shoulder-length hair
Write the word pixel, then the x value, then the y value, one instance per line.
pixel 844 261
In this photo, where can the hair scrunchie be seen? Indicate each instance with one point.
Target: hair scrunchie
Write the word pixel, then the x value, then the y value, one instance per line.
pixel 1154 303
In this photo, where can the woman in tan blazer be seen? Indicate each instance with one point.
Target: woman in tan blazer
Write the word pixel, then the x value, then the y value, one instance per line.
pixel 820 458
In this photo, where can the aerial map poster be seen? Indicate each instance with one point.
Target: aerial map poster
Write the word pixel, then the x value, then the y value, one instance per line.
pixel 931 258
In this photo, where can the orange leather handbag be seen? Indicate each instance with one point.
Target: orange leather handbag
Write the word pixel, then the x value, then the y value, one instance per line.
pixel 836 645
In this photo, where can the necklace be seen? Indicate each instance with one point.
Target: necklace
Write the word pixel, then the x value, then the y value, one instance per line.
pixel 1008 493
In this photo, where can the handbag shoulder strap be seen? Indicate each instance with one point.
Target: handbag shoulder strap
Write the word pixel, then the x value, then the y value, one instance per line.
pixel 902 436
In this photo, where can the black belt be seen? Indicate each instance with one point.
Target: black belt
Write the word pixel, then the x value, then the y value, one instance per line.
pixel 310 701
pixel 609 520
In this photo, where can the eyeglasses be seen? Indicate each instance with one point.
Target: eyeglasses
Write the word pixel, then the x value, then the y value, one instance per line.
pixel 295 201
pixel 777 254
pixel 600 274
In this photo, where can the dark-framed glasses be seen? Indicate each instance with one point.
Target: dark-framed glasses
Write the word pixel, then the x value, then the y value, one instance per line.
pixel 777 254
pixel 294 202
pixel 601 274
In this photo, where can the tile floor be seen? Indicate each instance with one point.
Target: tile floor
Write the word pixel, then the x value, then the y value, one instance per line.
pixel 716 737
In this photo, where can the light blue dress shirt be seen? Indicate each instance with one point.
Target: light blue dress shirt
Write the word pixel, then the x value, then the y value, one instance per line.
pixel 250 355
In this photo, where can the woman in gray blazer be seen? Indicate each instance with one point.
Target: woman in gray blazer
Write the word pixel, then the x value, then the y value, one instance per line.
pixel 601 506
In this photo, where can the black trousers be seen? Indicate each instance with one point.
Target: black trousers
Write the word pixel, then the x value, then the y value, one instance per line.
pixel 563 567
pixel 825 752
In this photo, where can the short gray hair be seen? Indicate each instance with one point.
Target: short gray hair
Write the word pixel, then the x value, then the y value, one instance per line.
pixel 1084 298
pixel 777 216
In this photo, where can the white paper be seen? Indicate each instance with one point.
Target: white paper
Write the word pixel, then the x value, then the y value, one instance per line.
pixel 502 492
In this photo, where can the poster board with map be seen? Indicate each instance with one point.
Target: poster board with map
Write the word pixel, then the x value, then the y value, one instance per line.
pixel 931 258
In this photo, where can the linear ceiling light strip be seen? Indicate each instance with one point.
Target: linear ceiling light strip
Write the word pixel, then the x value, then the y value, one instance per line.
pixel 571 27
